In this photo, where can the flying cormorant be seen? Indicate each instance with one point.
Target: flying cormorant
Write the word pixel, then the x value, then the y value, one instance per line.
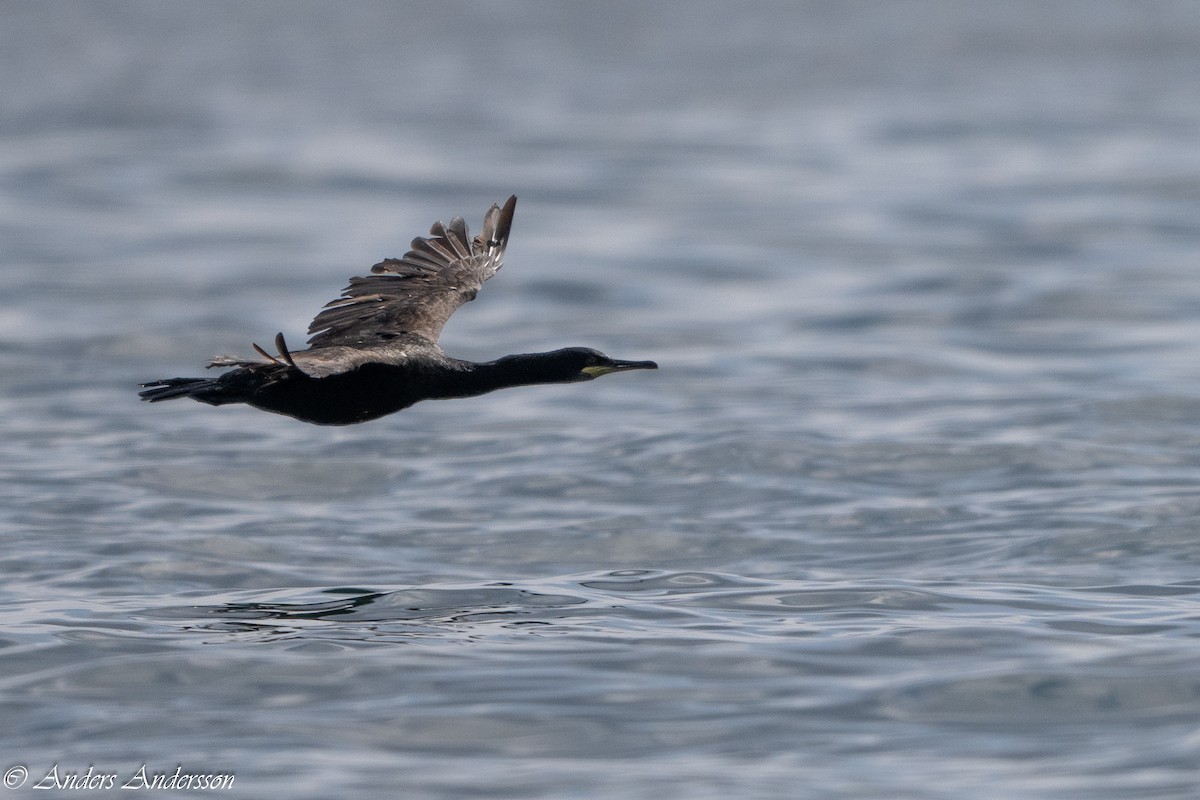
pixel 374 350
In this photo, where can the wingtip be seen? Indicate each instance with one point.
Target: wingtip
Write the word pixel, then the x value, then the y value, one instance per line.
pixel 503 221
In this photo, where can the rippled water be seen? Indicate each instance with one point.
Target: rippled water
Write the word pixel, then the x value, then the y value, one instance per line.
pixel 907 512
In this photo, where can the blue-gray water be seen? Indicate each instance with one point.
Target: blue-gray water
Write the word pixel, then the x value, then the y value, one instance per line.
pixel 909 510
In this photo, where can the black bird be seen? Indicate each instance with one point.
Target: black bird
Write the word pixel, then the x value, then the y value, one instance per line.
pixel 374 349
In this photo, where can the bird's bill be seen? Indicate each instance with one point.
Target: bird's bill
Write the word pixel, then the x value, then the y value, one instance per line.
pixel 617 366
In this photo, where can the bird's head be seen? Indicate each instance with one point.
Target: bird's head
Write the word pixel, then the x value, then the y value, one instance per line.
pixel 585 364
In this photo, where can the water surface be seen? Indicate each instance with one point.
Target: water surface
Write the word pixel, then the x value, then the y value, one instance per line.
pixel 908 510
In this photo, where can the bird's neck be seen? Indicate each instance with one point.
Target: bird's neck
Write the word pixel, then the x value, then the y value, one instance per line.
pixel 525 369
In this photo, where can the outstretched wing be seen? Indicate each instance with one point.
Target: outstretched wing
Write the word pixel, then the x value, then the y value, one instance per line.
pixel 417 293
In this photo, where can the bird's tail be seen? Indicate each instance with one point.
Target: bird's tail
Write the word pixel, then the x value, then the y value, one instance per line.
pixel 206 390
